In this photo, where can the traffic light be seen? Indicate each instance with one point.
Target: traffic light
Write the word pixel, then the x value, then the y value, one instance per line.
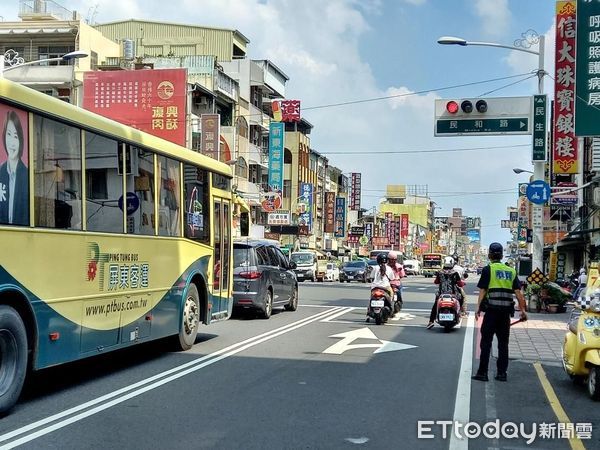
pixel 466 106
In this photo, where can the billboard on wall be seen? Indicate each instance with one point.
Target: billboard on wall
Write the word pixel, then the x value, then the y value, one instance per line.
pixel 153 101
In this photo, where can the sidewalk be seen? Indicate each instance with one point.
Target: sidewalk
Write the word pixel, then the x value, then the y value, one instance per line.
pixel 540 338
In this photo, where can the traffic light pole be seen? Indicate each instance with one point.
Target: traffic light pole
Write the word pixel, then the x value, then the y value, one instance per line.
pixel 538 174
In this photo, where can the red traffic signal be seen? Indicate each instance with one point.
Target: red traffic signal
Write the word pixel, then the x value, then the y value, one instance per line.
pixel 452 107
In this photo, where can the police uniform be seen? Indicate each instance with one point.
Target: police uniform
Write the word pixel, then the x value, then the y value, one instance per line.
pixel 500 281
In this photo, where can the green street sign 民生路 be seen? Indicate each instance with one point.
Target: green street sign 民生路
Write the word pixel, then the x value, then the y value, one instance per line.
pixel 453 127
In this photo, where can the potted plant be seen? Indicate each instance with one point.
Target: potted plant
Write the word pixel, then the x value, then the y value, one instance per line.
pixel 532 292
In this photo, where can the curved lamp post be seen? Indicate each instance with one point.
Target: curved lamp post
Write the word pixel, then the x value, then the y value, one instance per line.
pixel 66 57
pixel 538 166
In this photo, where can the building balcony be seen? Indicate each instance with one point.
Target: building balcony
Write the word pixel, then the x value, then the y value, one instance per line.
pixel 227 86
pixel 43 10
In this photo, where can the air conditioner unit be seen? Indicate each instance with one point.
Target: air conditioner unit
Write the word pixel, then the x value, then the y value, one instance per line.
pixel 596 197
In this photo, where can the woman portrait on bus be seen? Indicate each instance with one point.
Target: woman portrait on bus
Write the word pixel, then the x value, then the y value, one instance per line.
pixel 14 182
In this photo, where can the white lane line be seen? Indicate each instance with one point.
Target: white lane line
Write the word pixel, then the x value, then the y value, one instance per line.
pixel 175 373
pixel 462 405
pixel 338 314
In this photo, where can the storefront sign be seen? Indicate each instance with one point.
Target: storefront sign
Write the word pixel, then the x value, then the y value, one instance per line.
pixel 276 145
pixel 340 217
pixel 306 199
pixel 329 212
pixel 564 153
pixel 587 85
pixel 356 191
pixel 209 141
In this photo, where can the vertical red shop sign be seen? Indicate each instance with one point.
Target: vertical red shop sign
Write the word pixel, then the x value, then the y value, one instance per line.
pixel 153 101
pixel 403 226
pixel 564 152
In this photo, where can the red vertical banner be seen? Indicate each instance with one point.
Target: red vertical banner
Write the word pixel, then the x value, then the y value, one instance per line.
pixel 397 228
pixel 564 151
pixel 329 212
pixel 153 101
pixel 403 226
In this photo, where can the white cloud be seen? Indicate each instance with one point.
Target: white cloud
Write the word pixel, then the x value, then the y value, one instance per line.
pixel 495 16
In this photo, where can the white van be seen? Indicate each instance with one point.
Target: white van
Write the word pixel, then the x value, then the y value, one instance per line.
pixel 412 267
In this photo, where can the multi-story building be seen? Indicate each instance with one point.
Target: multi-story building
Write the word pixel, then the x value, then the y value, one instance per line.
pixel 46 31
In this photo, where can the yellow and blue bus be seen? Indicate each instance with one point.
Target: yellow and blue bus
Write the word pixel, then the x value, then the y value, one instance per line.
pixel 109 237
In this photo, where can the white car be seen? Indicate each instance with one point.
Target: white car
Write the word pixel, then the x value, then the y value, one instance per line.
pixel 332 273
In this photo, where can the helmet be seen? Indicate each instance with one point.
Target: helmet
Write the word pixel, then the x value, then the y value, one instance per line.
pixel 392 255
pixel 495 251
pixel 582 271
pixel 382 258
pixel 448 262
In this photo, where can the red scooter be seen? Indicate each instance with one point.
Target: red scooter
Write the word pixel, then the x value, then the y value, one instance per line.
pixel 448 311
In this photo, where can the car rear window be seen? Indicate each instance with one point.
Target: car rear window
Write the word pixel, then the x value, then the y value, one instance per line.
pixel 243 256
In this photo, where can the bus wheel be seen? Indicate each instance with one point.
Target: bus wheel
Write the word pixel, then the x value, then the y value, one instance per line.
pixel 190 319
pixel 13 357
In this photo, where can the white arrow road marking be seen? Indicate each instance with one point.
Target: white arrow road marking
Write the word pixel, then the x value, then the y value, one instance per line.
pixel 389 346
pixel 363 333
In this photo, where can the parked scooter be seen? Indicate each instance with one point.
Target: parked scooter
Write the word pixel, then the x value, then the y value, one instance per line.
pixel 379 308
pixel 448 311
pixel 581 348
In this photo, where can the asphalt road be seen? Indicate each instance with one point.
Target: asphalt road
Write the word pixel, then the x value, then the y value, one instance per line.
pixel 320 377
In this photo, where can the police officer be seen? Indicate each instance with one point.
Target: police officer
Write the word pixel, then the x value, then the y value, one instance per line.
pixel 496 286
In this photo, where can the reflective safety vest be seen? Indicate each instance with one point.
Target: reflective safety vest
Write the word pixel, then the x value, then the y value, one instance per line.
pixel 500 290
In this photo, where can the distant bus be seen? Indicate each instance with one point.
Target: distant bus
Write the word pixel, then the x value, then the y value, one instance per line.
pixel 109 237
pixel 432 263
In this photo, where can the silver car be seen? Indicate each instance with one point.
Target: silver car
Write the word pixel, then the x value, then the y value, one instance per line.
pixel 263 278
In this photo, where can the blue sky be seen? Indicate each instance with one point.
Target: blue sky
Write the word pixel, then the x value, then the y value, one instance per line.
pixel 343 50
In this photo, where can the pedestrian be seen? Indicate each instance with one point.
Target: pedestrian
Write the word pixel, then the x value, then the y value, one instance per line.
pixel 581 284
pixel 496 286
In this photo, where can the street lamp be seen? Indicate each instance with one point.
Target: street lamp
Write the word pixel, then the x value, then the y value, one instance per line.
pixel 538 166
pixel 66 57
pixel 518 171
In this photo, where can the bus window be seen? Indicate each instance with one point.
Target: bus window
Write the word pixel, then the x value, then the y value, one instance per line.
pixel 168 206
pixel 140 192
pixel 57 169
pixel 104 184
pixel 196 215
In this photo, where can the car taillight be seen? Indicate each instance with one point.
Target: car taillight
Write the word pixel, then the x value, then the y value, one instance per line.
pixel 252 275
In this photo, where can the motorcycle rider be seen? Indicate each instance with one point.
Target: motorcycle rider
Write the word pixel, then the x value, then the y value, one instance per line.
pixel 581 284
pixel 382 275
pixel 449 282
pixel 398 269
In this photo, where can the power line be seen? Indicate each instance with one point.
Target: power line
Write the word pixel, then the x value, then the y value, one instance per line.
pixel 508 85
pixel 408 94
pixel 437 150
